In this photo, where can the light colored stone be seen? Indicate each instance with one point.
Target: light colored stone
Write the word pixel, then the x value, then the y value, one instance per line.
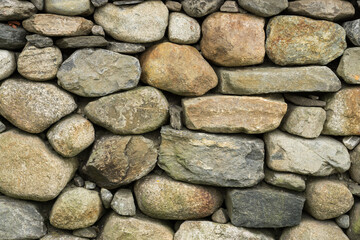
pixel 183 29
pixel 343 221
pixel 7 64
pixel 90 185
pixel 123 203
pixel 351 142
pixel 16 10
pixel 79 181
pixel 175 112
pixel 230 6
pixel 355 164
pixel 69 7
pixel 39 4
pixel 173 6
pixel 349 67
pixel 200 8
pixel 285 180
pixel 98 30
pixel 264 8
pixel 352 29
pixel 129 48
pixel 220 216
pixel 106 197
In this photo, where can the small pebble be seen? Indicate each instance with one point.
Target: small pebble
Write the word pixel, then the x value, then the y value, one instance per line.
pixel 123 203
pixel 90 185
pixel 173 6
pixel 90 232
pixel 121 47
pixel 78 181
pixel 98 30
pixel 230 6
pixel 343 221
pixel 106 197
pixel 220 216
pixel 351 141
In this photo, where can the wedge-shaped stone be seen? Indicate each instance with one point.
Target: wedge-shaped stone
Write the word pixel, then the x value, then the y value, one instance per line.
pixel 349 66
pixel 233 114
pixel 212 159
pixel 318 157
pixel 285 180
pixel 16 10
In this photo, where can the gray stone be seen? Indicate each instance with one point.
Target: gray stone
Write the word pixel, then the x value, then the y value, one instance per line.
pixel 354 188
pixel 351 142
pixel 259 207
pixel 90 185
pixel 106 197
pixel 270 79
pixel 90 232
pixel 264 8
pixel 99 3
pixel 39 41
pixel 343 221
pixel 16 10
pixel 183 29
pixel 200 8
pixel 230 6
pixel 127 2
pixel 349 67
pixel 352 29
pixel 353 231
pixel 69 7
pixel 122 47
pixel 7 63
pixel 39 4
pixel 98 30
pixel 173 6
pixel 82 42
pixel 175 117
pixel 318 157
pixel 79 181
pixel 220 216
pixel 12 38
pixel 2 127
pixel 123 203
pixel 304 101
pixel 20 220
pixel 211 159
pixel 285 180
pixel 355 164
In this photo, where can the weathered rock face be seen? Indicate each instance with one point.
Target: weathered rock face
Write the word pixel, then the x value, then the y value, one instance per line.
pixel 349 67
pixel 16 10
pixel 82 42
pixel 137 111
pixel 210 159
pixel 39 41
pixel 196 8
pixel 140 23
pixel 183 29
pixel 12 38
pixel 57 25
pixel 260 208
pixel 264 8
pixel 233 114
pixel 56 234
pixel 139 227
pixel 69 7
pixel 155 197
pixel 355 164
pixel 295 40
pixel 33 106
pixel 318 157
pixel 7 63
pixel 206 230
pixel 343 112
pixel 93 73
pixel 352 29
pixel 119 160
pixel 353 232
pixel 183 70
pixel 233 39
pixel 128 48
pixel 30 170
pixel 269 79
pixel 123 203
pixel 285 180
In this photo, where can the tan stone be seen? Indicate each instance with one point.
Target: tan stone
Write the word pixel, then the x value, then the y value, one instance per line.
pixel 233 39
pixel 233 114
pixel 183 70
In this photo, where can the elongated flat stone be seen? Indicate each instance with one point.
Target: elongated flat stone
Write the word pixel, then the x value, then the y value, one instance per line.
pixel 69 7
pixel 82 42
pixel 12 38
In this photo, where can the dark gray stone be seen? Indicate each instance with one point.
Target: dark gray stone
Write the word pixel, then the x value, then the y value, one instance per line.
pixel 12 37
pixel 99 3
pixel 129 48
pixel 220 216
pixel 304 101
pixel 90 185
pixel 79 181
pixel 175 116
pixel 173 6
pixel 82 42
pixel 351 141
pixel 200 8
pixel 127 2
pixel 39 41
pixel 264 8
pixel 260 207
pixel 90 232
pixel 352 29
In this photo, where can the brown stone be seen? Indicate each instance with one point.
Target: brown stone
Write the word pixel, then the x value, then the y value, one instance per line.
pixel 183 70
pixel 233 39
pixel 233 114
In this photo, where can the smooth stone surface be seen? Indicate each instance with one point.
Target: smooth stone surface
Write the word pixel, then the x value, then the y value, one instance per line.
pixel 233 40
pixel 136 111
pixel 183 70
pixel 106 197
pixel 7 63
pixel 139 227
pixel 57 26
pixel 29 169
pixel 123 203
pixel 343 112
pixel 264 8
pixel 98 30
pixel 206 230
pixel 183 29
pixel 211 159
pixel 90 232
pixel 118 160
pixel 349 66
pixel 295 40
pixel 354 231
pixel 355 164
pixel 122 47
pixel 99 3
pixel 90 185
pixel 82 42
pixel 39 41
pixel 2 127
pixel 259 207
pixel 220 216
pixel 352 29
pixel 317 157
pixel 351 142
pixel 69 7
pixel 76 208
pixel 331 10
pixel 230 6
pixel 140 23
pixel 200 8
pixel 285 180
pixel 343 221
pixel 16 10
pixel 20 219
pixel 94 73
pixel 33 106
pixel 304 101
pixel 39 4
pixel 173 6
pixel 71 135
pixel 39 64
pixel 127 2
pixel 12 38
pixel 155 196
pixel 233 114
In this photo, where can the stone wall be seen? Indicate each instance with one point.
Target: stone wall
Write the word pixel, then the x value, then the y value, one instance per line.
pixel 194 119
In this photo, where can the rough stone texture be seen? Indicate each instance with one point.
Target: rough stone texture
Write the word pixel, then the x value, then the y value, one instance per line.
pixel 233 39
pixel 352 29
pixel 183 29
pixel 99 3
pixel 137 111
pixel 123 203
pixel 173 6
pixel 82 42
pixel 354 231
pixel 39 64
pixel 259 207
pixel 140 23
pixel 29 169
pixel 264 8
pixel 304 101
pixel 39 41
pixel 56 25
pixel 310 228
pixel 71 135
pixel 98 30
pixel 295 40
pixel 211 159
pixel 94 73
pixel 39 4
pixel 69 7
pixel 269 79
pixel 119 160
pixel 233 114
pixel 16 10
pixel 78 181
pixel 305 122
pixel 7 63
pixel 200 8
pixel 206 230
pixel 230 6
pixel 285 180
pixel 129 48
pixel 106 197
pixel 175 112
pixel 76 208
pixel 90 185
pixel 12 38
pixel 139 227
pixel 220 216
pixel 33 106
pixel 331 10
pixel 90 232
pixel 343 112
pixel 351 142
pixel 164 198
pixel 326 199
pixel 2 127
pixel 343 221
pixel 355 164
pixel 349 67
pixel 183 70
pixel 20 220
pixel 318 157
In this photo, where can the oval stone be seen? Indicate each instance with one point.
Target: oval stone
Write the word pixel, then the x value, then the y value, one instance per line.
pixel 7 63
pixel 16 10
pixel 69 7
